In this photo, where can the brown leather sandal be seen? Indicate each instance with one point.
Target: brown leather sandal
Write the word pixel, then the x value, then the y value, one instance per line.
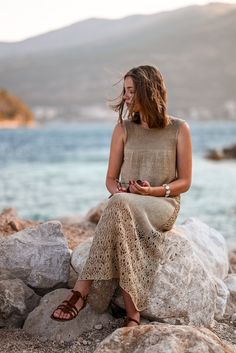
pixel 68 307
pixel 128 319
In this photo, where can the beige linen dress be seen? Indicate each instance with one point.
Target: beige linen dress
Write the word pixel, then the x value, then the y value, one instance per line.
pixel 129 236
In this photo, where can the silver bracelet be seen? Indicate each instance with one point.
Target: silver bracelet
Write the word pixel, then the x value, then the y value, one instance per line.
pixel 167 189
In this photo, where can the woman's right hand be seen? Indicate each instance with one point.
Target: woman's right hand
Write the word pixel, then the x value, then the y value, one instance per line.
pixel 120 188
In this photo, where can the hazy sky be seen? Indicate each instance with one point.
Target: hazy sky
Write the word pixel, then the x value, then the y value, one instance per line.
pixel 20 19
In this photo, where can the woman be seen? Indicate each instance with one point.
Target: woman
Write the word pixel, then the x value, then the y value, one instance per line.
pixel 149 167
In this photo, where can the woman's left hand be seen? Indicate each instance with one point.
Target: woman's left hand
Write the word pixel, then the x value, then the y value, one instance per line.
pixel 135 188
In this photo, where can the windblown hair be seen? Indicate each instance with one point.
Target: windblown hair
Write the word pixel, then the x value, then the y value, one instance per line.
pixel 150 93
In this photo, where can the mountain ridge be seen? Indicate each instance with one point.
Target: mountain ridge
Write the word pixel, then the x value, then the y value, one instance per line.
pixel 192 46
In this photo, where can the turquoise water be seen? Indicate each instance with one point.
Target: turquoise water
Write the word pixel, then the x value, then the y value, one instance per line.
pixel 59 170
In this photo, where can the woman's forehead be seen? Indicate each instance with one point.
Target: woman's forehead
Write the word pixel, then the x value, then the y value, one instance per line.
pixel 128 82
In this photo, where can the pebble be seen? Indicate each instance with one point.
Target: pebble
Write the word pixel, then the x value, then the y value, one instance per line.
pixel 98 327
pixel 85 343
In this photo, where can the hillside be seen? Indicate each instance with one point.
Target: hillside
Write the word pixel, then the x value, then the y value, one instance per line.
pixel 13 112
pixel 75 68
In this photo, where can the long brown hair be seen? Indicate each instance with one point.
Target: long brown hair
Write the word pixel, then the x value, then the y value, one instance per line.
pixel 150 93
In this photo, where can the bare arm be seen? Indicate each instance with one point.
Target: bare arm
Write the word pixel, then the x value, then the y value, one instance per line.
pixel 184 168
pixel 116 158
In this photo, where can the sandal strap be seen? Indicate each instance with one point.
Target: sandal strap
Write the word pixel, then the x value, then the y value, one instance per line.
pixel 76 296
pixel 68 306
pixel 68 309
pixel 128 319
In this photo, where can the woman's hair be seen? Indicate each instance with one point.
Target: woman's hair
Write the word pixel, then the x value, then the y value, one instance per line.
pixel 150 94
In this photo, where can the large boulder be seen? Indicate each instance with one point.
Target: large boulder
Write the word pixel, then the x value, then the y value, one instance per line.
pixel 189 283
pixel 16 301
pixel 163 338
pixel 40 324
pixel 37 255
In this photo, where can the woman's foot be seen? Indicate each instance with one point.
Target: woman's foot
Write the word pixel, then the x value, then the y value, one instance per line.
pixel 70 308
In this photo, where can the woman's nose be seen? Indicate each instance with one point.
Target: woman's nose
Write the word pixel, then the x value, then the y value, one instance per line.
pixel 126 96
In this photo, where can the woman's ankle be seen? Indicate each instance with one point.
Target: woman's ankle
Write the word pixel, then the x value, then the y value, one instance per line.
pixel 134 315
pixel 83 287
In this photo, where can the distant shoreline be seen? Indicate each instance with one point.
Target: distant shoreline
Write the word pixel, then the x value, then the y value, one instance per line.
pixel 15 124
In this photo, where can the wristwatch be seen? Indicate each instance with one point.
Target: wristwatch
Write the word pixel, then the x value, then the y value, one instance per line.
pixel 167 189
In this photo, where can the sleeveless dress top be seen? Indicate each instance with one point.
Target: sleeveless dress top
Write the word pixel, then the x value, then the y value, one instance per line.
pixel 128 241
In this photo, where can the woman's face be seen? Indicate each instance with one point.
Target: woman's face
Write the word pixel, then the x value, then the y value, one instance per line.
pixel 129 92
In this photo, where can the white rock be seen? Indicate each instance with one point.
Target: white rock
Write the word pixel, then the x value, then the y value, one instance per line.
pixel 37 255
pixel 40 324
pixel 209 245
pixel 16 302
pixel 79 255
pixel 221 298
pixel 230 282
pixel 163 338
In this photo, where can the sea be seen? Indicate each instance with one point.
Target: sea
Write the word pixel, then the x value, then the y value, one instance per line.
pixel 59 169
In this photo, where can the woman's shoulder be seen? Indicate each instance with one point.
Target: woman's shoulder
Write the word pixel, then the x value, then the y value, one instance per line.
pixel 176 121
pixel 120 131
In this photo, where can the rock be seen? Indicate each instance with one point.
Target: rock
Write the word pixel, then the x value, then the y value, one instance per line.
pixel 10 223
pixel 232 261
pixel 95 213
pixel 78 233
pixel 221 299
pixel 40 324
pixel 70 220
pixel 72 278
pixel 163 338
pixel 233 318
pixel 225 153
pixel 79 255
pixel 13 112
pixel 189 285
pixel 209 245
pixel 103 290
pixel 39 256
pixel 16 302
pixel 230 282
pixel 215 155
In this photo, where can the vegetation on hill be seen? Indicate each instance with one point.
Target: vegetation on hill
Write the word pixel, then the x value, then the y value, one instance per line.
pixel 13 112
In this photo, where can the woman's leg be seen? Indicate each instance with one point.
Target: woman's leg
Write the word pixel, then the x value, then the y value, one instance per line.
pixel 131 311
pixel 81 286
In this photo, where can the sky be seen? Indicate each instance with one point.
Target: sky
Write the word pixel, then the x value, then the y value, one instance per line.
pixel 21 19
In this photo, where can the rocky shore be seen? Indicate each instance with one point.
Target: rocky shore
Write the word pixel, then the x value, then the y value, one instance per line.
pixel 13 112
pixel 223 153
pixel 192 303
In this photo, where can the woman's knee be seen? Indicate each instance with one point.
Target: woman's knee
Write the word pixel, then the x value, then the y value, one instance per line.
pixel 119 199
